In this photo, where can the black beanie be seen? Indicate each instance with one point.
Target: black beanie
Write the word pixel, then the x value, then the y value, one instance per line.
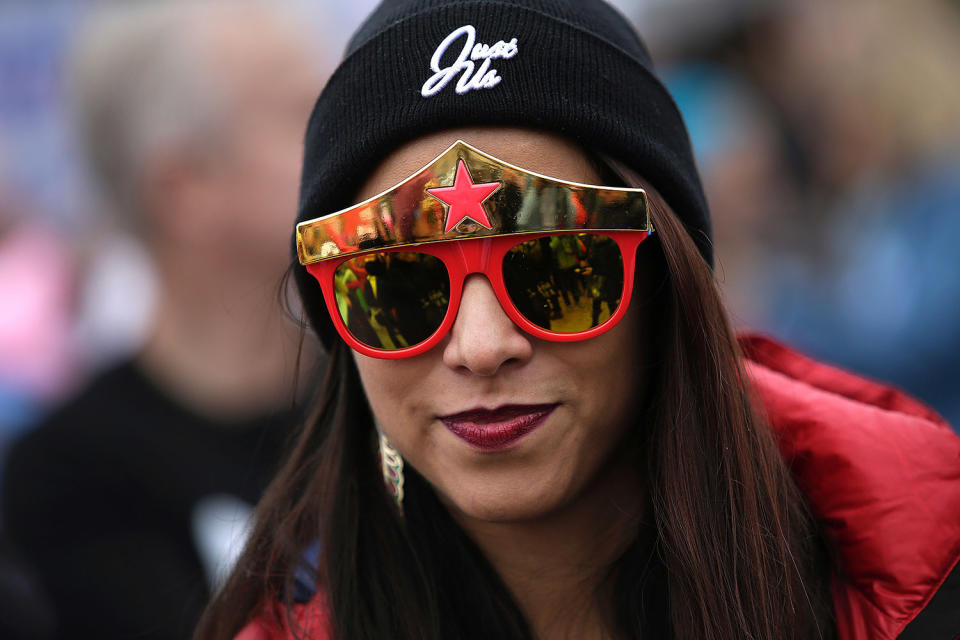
pixel 573 67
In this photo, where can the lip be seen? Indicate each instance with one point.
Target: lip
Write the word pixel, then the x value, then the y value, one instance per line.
pixel 495 429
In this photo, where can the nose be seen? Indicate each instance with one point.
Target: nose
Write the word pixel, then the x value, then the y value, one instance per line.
pixel 483 338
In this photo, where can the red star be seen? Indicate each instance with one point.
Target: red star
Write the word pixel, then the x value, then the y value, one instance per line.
pixel 465 198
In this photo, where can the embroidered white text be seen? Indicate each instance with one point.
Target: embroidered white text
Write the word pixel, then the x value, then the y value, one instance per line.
pixel 472 76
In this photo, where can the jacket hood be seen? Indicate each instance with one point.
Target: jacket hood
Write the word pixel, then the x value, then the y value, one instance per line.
pixel 881 473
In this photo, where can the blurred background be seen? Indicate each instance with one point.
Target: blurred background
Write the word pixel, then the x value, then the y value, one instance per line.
pixel 827 134
pixel 77 285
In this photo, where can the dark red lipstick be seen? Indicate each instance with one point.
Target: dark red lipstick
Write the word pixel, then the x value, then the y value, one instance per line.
pixel 492 429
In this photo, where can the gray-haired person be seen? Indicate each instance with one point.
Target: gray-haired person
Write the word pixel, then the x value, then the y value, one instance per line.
pixel 191 115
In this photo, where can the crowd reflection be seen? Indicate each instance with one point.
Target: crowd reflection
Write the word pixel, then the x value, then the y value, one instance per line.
pixel 563 283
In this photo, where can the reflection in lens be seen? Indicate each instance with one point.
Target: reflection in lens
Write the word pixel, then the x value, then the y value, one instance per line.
pixel 392 300
pixel 567 282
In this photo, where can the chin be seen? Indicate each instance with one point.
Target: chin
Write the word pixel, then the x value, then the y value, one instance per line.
pixel 506 506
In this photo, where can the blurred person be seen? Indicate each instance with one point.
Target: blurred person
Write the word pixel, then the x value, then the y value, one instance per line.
pixel 872 280
pixel 130 499
pixel 835 128
pixel 747 180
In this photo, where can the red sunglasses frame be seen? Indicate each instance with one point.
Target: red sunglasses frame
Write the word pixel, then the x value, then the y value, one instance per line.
pixel 484 256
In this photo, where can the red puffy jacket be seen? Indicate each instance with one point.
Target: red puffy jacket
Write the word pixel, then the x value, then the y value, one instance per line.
pixel 882 473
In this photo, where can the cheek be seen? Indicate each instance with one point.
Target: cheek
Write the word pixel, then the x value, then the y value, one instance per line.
pixel 611 367
pixel 383 390
pixel 397 394
pixel 612 374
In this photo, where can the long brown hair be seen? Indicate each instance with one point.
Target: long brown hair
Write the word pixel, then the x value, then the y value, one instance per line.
pixel 735 553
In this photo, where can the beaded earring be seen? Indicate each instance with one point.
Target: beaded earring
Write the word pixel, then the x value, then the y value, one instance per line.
pixel 391 464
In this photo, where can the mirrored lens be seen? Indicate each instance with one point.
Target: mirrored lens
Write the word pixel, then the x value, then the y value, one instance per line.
pixel 565 283
pixel 392 300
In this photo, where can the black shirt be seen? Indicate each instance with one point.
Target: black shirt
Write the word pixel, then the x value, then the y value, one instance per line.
pixel 101 499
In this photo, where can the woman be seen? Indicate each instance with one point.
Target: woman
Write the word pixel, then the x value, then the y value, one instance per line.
pixel 502 451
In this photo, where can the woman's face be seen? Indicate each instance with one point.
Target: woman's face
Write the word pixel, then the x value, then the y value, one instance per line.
pixel 579 397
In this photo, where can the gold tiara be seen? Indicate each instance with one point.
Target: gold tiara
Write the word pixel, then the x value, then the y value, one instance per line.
pixel 465 193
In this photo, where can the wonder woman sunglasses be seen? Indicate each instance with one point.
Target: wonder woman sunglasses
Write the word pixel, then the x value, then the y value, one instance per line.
pixel 560 256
